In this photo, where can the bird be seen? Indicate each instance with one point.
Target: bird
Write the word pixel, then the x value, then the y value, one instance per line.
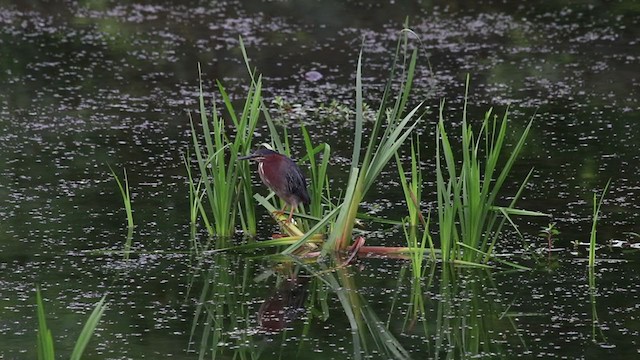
pixel 283 176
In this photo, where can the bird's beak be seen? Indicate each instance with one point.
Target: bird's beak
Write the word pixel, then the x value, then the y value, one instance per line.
pixel 248 157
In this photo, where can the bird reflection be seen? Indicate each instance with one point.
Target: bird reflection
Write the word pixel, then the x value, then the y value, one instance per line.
pixel 285 306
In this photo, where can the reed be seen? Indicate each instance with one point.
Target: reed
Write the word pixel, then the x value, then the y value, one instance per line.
pixel 390 129
pixel 416 248
pixel 469 189
pixel 381 148
pixel 412 189
pixel 597 204
pixel 227 190
pixel 319 189
pixel 125 193
pixel 196 194
pixel 218 173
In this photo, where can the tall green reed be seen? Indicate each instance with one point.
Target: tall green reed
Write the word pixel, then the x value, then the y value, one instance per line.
pixel 469 189
pixel 319 189
pixel 46 349
pixel 412 189
pixel 391 128
pixel 380 149
pixel 196 194
pixel 226 192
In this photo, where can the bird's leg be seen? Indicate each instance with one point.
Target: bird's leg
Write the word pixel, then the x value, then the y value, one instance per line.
pixel 291 214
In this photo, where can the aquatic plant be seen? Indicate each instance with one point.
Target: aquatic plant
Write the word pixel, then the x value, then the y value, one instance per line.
pixel 45 339
pixel 382 146
pixel 196 194
pixel 380 149
pixel 597 204
pixel 469 217
pixel 548 233
pixel 45 345
pixel 412 189
pixel 225 192
pixel 319 188
pixel 125 194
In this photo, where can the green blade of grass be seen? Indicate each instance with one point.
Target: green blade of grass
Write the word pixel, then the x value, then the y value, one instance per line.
pixel 45 339
pixel 88 329
pixel 357 145
pixel 596 212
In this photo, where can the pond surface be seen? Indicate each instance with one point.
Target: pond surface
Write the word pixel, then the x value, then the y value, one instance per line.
pixel 91 83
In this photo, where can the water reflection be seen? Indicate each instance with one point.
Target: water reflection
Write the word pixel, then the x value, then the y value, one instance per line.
pixel 470 322
pixel 285 305
pixel 453 313
pixel 597 334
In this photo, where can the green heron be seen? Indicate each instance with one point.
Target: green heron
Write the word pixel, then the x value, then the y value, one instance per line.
pixel 282 176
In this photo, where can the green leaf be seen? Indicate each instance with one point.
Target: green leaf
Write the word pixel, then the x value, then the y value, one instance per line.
pixel 88 329
pixel 45 339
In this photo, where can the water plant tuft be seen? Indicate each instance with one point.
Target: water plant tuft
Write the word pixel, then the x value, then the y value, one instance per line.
pixel 226 192
pixel 412 189
pixel 548 233
pixel 126 195
pixel 469 189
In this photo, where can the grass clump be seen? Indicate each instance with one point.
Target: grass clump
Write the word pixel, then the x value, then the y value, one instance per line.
pixel 221 192
pixel 125 193
pixel 412 189
pixel 469 189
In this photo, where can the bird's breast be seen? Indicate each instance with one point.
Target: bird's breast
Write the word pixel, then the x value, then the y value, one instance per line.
pixel 263 175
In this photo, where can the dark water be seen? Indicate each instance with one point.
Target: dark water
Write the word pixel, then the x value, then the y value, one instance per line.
pixel 86 84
